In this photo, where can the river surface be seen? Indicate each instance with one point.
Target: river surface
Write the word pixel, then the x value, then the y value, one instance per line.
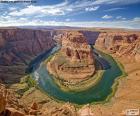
pixel 96 93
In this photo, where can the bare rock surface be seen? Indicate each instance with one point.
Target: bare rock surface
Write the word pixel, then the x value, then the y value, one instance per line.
pixel 65 110
pixel 123 44
pixel 86 111
pixel 75 61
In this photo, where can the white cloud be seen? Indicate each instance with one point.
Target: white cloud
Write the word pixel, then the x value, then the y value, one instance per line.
pixel 33 10
pixel 12 8
pixel 114 9
pixel 119 2
pixel 68 20
pixel 107 17
pixel 136 19
pixel 67 7
pixel 57 9
pixel 120 18
pixel 92 8
pixel 10 21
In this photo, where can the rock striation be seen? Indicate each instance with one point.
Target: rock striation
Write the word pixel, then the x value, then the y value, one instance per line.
pixel 123 44
pixel 64 110
pixel 9 103
pixel 18 47
pixel 74 62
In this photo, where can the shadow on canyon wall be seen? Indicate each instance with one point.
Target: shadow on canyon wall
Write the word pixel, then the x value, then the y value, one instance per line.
pixel 91 36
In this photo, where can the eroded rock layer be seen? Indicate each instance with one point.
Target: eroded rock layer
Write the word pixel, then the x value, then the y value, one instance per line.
pixel 75 61
pixel 17 48
pixel 123 44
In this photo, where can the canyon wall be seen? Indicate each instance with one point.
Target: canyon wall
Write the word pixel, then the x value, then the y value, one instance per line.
pixel 18 47
pixel 17 44
pixel 123 44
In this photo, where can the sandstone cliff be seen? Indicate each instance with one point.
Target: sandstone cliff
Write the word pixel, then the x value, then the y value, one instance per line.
pixel 9 105
pixel 18 47
pixel 123 44
pixel 75 61
pixel 17 44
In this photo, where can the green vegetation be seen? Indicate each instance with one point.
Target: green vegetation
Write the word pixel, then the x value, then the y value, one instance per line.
pixel 25 84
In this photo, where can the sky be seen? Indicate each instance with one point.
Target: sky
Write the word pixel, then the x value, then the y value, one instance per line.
pixel 77 13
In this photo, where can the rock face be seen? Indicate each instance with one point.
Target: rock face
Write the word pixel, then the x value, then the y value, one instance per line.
pixel 17 48
pixel 17 44
pixel 75 61
pixel 65 110
pixel 13 112
pixel 2 100
pixel 76 48
pixel 86 111
pixel 8 103
pixel 123 44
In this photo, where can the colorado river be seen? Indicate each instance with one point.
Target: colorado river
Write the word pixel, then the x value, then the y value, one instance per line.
pixel 96 93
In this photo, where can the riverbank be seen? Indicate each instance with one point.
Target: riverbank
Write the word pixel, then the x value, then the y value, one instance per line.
pixel 116 81
pixel 127 93
pixel 70 87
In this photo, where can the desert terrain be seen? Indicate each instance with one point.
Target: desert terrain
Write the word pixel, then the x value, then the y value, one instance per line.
pixel 19 96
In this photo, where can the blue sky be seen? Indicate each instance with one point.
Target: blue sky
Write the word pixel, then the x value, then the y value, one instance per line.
pixel 80 13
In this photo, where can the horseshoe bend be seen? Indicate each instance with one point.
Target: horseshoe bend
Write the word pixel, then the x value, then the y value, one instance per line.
pixel 74 62
pixel 73 68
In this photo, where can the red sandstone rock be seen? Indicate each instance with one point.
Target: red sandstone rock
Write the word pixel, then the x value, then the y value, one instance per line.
pixel 13 112
pixel 34 106
pixel 86 111
pixel 123 44
pixel 65 110
pixel 8 103
pixel 75 61
pixel 17 44
pixel 2 103
pixel 76 48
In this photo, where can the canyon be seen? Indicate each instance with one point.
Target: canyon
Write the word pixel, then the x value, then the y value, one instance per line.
pixel 18 47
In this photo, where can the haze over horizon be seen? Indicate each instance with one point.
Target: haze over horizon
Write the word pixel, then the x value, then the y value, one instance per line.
pixel 76 13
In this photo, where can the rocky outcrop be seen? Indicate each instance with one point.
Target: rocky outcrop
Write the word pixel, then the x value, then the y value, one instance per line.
pixel 86 111
pixel 75 61
pixel 76 48
pixel 65 110
pixel 123 44
pixel 33 110
pixel 13 112
pixel 18 47
pixel 9 103
pixel 2 100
